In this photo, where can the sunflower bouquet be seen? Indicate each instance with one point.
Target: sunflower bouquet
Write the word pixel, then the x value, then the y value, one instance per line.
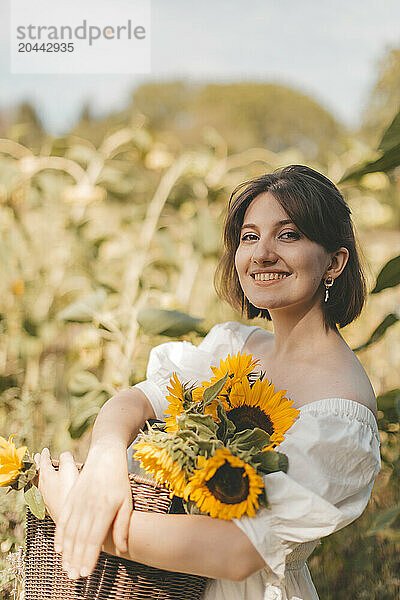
pixel 219 439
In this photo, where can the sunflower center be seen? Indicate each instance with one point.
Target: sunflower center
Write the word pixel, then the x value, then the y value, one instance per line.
pixel 248 417
pixel 228 484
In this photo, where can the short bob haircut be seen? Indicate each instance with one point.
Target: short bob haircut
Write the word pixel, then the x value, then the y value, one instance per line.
pixel 320 212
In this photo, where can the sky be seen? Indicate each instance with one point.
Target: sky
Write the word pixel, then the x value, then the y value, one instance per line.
pixel 329 50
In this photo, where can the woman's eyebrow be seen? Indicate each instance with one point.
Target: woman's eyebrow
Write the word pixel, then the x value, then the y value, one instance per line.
pixel 277 224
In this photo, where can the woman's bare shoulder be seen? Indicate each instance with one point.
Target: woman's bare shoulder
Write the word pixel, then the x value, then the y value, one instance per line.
pixel 333 373
pixel 341 375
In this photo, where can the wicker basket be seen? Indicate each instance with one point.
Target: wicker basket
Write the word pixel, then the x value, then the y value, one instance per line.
pixel 113 578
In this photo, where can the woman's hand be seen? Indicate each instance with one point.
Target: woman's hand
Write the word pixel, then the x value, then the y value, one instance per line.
pixel 55 485
pixel 101 497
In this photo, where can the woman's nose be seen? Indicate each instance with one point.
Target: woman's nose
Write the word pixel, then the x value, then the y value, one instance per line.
pixel 263 252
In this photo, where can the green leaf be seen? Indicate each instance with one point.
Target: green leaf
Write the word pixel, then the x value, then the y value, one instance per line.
pixel 212 392
pixel 93 398
pixel 390 159
pixel 283 462
pixel 83 382
pixel 24 478
pixel 203 425
pixel 206 420
pixel 263 499
pixel 7 381
pixel 168 248
pixel 226 428
pixel 387 162
pixel 110 287
pixel 270 461
pixel 80 153
pixel 391 137
pixel 378 333
pixel 385 519
pixel 187 435
pixel 250 438
pixel 83 310
pixel 389 276
pixel 34 500
pixel 207 234
pixel 389 404
pixel 188 395
pixel 30 327
pixel 208 446
pixel 82 421
pixel 171 323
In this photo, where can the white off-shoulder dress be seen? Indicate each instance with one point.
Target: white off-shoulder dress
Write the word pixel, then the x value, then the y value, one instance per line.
pixel 334 456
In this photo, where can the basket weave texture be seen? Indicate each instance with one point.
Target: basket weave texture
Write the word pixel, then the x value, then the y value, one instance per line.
pixel 113 578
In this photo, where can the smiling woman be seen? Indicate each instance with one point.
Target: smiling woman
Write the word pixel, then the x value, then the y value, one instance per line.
pixel 287 235
pixel 268 257
pixel 295 214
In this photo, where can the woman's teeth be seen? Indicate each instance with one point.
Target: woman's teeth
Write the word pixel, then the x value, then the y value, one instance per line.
pixel 268 276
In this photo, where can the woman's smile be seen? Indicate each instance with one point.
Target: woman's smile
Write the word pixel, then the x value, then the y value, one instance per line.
pixel 264 282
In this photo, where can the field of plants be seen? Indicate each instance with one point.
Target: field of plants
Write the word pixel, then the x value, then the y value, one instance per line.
pixel 110 236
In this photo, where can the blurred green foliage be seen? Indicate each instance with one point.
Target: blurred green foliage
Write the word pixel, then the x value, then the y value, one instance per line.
pixel 109 237
pixel 245 115
pixel 384 99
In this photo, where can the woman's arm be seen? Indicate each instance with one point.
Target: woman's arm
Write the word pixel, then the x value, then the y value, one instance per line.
pixel 120 419
pixel 194 544
pixel 101 495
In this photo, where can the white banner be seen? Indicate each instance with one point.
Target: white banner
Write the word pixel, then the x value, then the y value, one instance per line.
pixel 80 36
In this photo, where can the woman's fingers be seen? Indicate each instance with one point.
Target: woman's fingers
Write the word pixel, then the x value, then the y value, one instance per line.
pixel 61 525
pixel 44 460
pixel 121 526
pixel 80 547
pixel 46 471
pixel 68 467
pixel 67 474
pixel 70 536
pixel 87 547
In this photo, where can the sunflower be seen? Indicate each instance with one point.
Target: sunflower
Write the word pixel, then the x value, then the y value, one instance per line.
pixel 224 486
pixel 260 406
pixel 176 401
pixel 11 457
pixel 238 366
pixel 158 462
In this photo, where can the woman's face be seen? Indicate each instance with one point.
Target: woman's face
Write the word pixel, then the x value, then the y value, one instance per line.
pixel 268 245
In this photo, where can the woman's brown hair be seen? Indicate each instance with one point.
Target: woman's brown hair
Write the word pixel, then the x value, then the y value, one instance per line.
pixel 320 212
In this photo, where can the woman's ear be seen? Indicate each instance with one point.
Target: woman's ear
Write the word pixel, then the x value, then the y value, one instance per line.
pixel 338 262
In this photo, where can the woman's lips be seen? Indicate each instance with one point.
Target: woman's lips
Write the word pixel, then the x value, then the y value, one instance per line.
pixel 268 281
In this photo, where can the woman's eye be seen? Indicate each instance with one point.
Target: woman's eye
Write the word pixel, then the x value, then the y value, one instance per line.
pixel 292 233
pixel 246 235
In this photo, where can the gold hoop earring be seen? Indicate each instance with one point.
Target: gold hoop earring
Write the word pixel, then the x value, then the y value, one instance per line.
pixel 328 285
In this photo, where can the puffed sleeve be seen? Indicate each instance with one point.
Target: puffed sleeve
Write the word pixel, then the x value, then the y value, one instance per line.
pixel 191 363
pixel 334 456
